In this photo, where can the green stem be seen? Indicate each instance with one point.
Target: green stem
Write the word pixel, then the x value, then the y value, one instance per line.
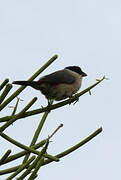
pixel 36 146
pixel 9 170
pixel 19 90
pixel 55 106
pixel 5 92
pixel 4 84
pixel 21 168
pixel 5 156
pixel 39 164
pixel 68 151
pixel 15 108
pixel 33 165
pixel 50 157
pixel 22 146
pixel 14 118
pixel 36 135
pixel 60 155
pixel 61 125
pixel 22 153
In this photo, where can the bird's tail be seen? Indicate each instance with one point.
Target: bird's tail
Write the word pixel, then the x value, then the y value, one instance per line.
pixel 26 83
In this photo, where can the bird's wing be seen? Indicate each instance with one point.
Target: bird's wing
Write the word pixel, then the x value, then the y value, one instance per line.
pixel 62 76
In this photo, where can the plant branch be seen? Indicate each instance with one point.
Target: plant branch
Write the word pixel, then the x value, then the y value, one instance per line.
pixel 15 108
pixel 33 165
pixel 60 155
pixel 4 84
pixel 22 153
pixel 30 149
pixel 21 168
pixel 20 145
pixel 19 90
pixel 5 156
pixel 9 170
pixel 55 106
pixel 38 165
pixel 36 146
pixel 68 151
pixel 61 125
pixel 14 118
pixel 5 92
pixel 36 135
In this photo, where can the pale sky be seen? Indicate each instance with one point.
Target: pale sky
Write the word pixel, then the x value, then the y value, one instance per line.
pixel 84 33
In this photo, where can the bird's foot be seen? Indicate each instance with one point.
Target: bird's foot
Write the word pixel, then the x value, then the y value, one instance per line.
pixel 49 104
pixel 74 101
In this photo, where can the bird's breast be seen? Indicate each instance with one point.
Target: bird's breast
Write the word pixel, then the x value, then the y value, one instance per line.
pixel 60 91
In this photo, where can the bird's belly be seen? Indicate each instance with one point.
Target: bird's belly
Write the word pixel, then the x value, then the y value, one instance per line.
pixel 64 91
pixel 60 91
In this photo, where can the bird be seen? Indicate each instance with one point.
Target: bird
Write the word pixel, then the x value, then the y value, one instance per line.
pixel 58 85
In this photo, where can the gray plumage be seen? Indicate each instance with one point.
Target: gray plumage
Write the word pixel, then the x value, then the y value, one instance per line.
pixel 58 85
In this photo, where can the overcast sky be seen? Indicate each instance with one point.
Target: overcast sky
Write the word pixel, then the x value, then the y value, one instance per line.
pixel 85 33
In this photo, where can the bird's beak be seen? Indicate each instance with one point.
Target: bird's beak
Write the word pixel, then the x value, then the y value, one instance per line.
pixel 84 74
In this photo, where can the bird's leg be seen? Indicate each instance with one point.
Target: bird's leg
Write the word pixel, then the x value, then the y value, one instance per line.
pixel 49 103
pixel 48 106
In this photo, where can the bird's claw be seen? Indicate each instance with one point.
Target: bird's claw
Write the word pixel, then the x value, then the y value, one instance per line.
pixel 73 101
pixel 49 105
